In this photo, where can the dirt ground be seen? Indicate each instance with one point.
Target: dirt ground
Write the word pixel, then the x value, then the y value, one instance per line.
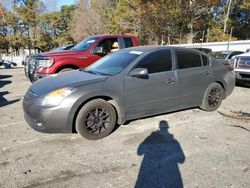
pixel 192 148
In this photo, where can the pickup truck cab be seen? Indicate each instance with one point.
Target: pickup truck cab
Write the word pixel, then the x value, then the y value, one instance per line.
pixel 80 56
pixel 241 66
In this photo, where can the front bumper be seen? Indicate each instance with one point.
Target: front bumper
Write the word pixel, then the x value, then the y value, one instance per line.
pixel 46 119
pixel 30 69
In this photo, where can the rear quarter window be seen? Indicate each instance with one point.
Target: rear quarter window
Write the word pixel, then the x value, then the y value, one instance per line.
pixel 205 60
pixel 187 59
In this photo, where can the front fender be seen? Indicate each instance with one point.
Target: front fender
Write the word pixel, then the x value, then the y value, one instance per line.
pixel 81 63
pixel 115 101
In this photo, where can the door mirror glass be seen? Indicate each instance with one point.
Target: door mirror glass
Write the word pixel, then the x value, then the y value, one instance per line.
pixel 139 72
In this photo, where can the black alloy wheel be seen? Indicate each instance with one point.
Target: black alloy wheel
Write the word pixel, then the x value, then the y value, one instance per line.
pixel 96 119
pixel 213 97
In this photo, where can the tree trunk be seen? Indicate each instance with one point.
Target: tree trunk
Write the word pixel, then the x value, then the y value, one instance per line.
pixel 227 16
pixel 190 35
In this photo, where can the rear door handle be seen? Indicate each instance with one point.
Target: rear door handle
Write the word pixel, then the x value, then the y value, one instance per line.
pixel 207 73
pixel 170 81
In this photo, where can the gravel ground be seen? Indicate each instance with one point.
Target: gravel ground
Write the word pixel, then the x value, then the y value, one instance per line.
pixel 193 148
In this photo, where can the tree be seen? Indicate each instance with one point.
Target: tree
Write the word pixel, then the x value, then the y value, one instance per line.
pixel 4 44
pixel 86 21
pixel 155 20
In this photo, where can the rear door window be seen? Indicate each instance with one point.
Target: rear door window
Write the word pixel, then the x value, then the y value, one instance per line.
pixel 158 61
pixel 187 59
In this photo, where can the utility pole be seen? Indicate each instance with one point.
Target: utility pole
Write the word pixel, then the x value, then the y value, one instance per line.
pixel 202 39
pixel 230 37
pixel 227 16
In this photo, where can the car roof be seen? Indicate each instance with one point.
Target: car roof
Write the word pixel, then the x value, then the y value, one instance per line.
pixel 247 54
pixel 154 48
pixel 226 51
pixel 112 35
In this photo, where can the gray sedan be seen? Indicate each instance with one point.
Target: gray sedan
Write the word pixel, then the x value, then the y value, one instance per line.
pixel 126 85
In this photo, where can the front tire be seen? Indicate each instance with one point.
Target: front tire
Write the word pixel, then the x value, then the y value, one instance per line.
pixel 96 119
pixel 213 97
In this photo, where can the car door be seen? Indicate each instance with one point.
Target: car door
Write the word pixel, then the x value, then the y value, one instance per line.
pixel 194 76
pixel 156 93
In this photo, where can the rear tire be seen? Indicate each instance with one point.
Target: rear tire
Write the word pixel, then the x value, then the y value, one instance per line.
pixel 213 97
pixel 96 119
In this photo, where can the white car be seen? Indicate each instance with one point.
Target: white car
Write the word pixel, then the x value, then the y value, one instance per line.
pixel 241 66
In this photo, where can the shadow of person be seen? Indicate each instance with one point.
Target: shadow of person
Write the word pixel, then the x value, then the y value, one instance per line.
pixel 162 153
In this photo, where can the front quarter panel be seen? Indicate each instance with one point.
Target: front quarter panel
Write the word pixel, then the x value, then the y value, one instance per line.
pixel 108 89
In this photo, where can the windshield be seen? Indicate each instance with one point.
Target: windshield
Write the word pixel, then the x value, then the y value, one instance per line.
pixel 219 55
pixel 85 44
pixel 112 64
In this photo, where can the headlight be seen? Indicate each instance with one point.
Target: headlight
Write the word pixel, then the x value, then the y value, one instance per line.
pixel 45 62
pixel 54 98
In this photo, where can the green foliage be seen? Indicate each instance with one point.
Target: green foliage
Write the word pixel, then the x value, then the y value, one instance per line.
pixel 28 25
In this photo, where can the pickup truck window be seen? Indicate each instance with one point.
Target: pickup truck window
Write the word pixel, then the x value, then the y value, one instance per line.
pixel 109 45
pixel 85 44
pixel 128 42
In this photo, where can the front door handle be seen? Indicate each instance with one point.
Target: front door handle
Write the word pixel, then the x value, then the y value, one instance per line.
pixel 83 57
pixel 170 81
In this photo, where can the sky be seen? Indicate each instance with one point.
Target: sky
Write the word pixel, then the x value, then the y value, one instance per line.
pixel 52 6
pixel 65 2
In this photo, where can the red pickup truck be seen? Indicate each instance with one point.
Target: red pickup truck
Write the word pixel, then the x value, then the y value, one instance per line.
pixel 80 56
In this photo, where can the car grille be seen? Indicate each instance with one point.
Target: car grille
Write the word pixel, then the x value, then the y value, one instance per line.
pixel 242 63
pixel 245 75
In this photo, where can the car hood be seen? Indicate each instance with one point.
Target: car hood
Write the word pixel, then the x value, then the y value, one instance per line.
pixel 58 53
pixel 67 79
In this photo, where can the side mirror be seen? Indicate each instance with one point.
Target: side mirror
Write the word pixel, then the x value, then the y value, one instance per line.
pixel 139 72
pixel 98 51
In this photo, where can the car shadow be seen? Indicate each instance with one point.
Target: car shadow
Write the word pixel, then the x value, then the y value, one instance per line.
pixel 5 76
pixel 4 82
pixel 162 154
pixel 5 102
pixel 157 115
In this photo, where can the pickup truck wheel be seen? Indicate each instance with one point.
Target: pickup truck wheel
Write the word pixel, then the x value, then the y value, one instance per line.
pixel 96 119
pixel 213 97
pixel 66 69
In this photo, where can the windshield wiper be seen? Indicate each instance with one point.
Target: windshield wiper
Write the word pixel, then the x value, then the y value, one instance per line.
pixel 96 73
